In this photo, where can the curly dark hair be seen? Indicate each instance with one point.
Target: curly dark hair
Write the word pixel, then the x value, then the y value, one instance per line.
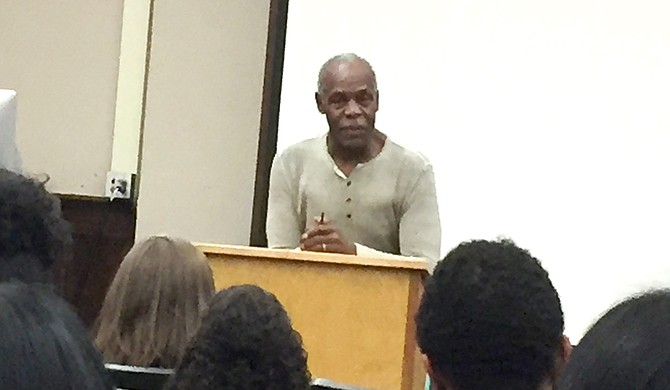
pixel 246 341
pixel 625 349
pixel 490 318
pixel 33 233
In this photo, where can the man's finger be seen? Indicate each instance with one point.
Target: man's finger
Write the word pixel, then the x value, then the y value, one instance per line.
pixel 320 230
pixel 332 240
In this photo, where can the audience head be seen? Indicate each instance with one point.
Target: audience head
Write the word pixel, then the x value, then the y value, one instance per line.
pixel 246 342
pixel 43 345
pixel 33 233
pixel 628 348
pixel 155 302
pixel 490 318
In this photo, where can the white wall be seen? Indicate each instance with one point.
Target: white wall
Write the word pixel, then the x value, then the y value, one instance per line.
pixel 62 58
pixel 202 111
pixel 203 105
pixel 548 122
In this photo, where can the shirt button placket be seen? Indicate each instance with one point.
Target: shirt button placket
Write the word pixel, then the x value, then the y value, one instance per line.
pixel 348 201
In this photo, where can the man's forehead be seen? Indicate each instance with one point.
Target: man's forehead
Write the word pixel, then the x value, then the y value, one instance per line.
pixel 351 76
pixel 350 69
pixel 351 90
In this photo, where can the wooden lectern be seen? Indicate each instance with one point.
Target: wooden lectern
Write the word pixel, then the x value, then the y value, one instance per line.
pixel 355 314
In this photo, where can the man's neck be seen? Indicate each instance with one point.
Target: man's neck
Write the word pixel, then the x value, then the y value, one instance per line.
pixel 347 159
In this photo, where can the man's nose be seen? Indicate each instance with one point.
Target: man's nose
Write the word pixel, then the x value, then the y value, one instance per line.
pixel 352 108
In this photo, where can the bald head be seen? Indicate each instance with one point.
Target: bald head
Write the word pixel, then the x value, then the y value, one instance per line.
pixel 337 63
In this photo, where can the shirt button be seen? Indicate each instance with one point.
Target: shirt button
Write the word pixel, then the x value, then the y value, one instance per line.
pixel 348 200
pixel 348 183
pixel 349 216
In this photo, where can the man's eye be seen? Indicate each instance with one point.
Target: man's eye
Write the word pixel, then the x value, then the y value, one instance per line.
pixel 364 98
pixel 337 100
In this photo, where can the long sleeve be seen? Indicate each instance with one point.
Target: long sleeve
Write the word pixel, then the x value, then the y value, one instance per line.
pixel 283 223
pixel 420 229
pixel 362 250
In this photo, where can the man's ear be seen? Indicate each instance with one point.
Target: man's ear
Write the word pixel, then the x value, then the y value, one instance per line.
pixel 566 349
pixel 562 358
pixel 426 362
pixel 437 382
pixel 319 105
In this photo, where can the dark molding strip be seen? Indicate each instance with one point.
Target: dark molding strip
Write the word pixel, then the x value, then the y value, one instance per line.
pixel 103 232
pixel 267 138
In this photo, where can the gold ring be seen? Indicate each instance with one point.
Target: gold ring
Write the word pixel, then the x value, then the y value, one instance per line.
pixel 323 246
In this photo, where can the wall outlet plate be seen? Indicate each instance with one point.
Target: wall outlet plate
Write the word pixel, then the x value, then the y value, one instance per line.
pixel 119 185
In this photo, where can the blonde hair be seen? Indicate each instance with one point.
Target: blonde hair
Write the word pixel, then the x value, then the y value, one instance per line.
pixel 154 304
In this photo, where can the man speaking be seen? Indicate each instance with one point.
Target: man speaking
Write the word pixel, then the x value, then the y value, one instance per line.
pixel 353 190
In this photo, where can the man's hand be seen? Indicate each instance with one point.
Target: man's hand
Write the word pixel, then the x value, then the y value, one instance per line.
pixel 325 237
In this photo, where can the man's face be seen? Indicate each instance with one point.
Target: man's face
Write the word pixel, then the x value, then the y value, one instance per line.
pixel 349 100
